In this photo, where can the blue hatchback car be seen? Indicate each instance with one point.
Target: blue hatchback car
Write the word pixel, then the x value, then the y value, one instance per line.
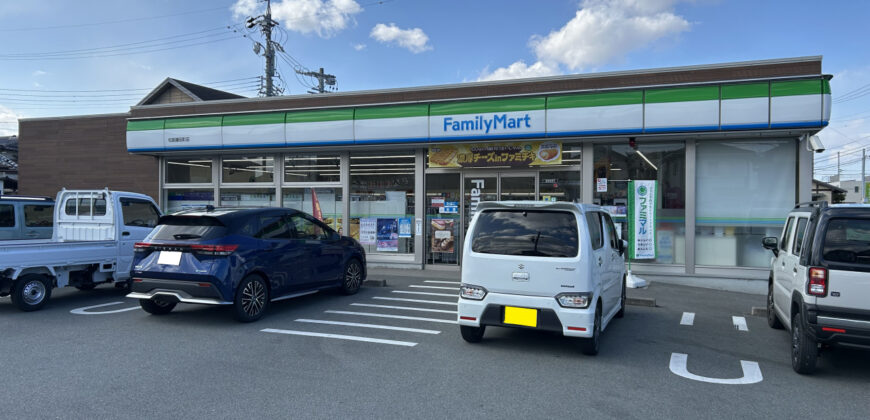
pixel 246 258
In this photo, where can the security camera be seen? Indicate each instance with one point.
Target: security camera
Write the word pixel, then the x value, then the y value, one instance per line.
pixel 815 144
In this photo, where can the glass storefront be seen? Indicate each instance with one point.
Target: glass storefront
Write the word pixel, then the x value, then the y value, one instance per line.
pixel 744 190
pixel 178 199
pixel 247 169
pixel 312 167
pixel 442 218
pixel 248 197
pixel 616 164
pixel 188 171
pixel 382 201
pixel 325 204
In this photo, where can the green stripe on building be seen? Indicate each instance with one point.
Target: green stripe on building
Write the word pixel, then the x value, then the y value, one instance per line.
pixel 634 97
pixel 826 87
pixel 403 111
pixel 142 125
pixel 483 107
pixel 194 122
pixel 319 116
pixel 689 94
pixel 253 119
pixel 745 91
pixel 797 87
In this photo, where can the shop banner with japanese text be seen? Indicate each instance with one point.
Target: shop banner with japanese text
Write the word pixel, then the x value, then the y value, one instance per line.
pixel 484 155
pixel 642 220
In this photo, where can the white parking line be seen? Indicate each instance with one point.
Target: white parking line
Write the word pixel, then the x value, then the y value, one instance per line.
pixel 751 372
pixel 82 311
pixel 441 282
pixel 688 318
pixel 434 302
pixel 455 295
pixel 434 287
pixel 380 327
pixel 739 323
pixel 407 308
pixel 411 318
pixel 341 337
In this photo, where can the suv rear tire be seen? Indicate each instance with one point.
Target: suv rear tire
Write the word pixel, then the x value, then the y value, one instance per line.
pixel 472 334
pixel 351 279
pixel 804 349
pixel 157 306
pixel 252 299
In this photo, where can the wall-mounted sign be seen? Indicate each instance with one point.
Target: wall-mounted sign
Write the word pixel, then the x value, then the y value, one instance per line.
pixel 601 185
pixel 520 155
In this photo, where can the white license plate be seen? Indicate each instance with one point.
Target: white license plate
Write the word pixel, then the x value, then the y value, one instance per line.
pixel 169 258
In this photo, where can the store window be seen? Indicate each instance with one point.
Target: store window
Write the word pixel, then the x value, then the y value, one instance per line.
pixel 324 203
pixel 188 171
pixel 248 197
pixel 442 218
pixel 247 169
pixel 616 164
pixel 744 190
pixel 312 167
pixel 188 198
pixel 382 201
pixel 562 185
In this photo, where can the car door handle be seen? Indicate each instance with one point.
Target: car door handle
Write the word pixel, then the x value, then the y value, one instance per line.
pixel 125 233
pixel 599 261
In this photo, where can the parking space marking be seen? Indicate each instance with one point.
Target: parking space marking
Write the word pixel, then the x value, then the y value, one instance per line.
pixel 688 318
pixel 341 337
pixel 406 308
pixel 739 323
pixel 83 311
pixel 434 302
pixel 377 326
pixel 426 293
pixel 410 318
pixel 751 372
pixel 441 282
pixel 434 287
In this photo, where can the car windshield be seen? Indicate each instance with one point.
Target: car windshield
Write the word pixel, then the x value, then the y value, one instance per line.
pixel 534 233
pixel 188 228
pixel 847 241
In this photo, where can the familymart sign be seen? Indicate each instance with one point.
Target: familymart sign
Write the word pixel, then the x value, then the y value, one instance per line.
pixel 642 219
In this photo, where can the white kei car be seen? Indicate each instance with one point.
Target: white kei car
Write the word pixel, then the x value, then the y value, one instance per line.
pixel 542 265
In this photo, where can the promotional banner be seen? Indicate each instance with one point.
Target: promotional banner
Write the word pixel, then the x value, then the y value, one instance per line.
pixel 517 155
pixel 642 220
pixel 368 229
pixel 442 235
pixel 405 227
pixel 388 235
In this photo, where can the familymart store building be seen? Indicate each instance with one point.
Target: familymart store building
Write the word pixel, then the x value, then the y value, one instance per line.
pixel 402 170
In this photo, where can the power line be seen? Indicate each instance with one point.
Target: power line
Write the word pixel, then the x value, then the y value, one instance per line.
pixel 121 90
pixel 109 22
pixel 101 55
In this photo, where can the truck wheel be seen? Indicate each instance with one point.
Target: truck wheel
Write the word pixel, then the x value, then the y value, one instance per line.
pixel 589 346
pixel 31 292
pixel 252 299
pixel 772 320
pixel 157 306
pixel 804 349
pixel 472 334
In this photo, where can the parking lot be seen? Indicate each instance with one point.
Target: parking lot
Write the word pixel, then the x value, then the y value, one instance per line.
pixel 395 352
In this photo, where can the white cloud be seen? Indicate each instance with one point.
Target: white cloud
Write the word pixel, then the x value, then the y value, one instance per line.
pixel 519 70
pixel 8 115
pixel 359 47
pixel 39 73
pixel 602 31
pixel 415 40
pixel 323 17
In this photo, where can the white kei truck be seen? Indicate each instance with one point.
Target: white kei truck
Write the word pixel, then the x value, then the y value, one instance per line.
pixel 92 243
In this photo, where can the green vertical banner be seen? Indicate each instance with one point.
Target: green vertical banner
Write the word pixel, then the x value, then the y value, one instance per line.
pixel 642 219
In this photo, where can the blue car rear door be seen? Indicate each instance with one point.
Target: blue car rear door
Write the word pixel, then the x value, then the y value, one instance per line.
pixel 325 254
pixel 281 257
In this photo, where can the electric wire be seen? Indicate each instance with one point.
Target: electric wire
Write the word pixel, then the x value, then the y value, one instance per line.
pixel 110 22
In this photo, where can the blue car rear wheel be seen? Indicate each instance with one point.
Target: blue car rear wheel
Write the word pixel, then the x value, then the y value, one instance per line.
pixel 252 299
pixel 352 279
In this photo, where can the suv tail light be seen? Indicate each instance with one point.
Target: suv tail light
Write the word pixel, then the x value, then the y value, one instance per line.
pixel 818 282
pixel 141 246
pixel 222 250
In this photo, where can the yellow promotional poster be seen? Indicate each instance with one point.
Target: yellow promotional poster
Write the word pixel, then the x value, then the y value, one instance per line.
pixel 523 154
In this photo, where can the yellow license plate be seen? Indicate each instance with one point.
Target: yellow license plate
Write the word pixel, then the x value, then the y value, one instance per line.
pixel 521 316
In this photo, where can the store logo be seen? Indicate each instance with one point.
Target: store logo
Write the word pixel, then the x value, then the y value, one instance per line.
pixel 178 139
pixel 475 194
pixel 644 208
pixel 642 190
pixel 487 124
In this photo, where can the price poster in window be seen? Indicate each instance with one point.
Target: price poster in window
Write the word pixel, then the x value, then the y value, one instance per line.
pixel 388 235
pixel 405 227
pixel 368 229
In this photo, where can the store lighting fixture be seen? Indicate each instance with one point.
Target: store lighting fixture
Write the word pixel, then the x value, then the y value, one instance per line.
pixel 313 158
pixel 381 164
pixel 647 160
pixel 188 164
pixel 385 173
pixel 380 157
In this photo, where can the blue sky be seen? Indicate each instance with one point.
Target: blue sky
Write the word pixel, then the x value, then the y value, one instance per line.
pixel 54 45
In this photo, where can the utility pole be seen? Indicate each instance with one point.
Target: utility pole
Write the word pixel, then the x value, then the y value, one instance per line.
pixel 266 23
pixel 322 79
pixel 864 176
pixel 838 167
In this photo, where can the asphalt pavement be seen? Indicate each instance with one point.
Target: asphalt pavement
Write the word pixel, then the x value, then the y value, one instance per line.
pixel 395 352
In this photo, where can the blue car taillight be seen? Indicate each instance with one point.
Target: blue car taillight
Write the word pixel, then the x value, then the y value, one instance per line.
pixel 141 247
pixel 219 250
